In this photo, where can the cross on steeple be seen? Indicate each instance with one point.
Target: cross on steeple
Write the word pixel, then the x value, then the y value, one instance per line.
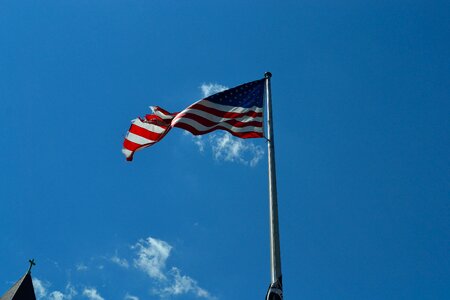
pixel 32 263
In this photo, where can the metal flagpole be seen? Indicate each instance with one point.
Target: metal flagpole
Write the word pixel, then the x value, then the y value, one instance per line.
pixel 275 291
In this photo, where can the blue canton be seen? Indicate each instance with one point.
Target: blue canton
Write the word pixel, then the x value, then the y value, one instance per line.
pixel 246 95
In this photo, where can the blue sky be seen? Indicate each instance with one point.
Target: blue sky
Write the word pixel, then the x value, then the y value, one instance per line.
pixel 361 110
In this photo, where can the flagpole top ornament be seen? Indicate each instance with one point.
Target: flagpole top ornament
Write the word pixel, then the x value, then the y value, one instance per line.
pixel 267 75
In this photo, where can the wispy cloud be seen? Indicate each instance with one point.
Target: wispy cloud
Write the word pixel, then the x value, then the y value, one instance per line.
pixel 120 261
pixel 212 88
pixel 69 293
pixel 130 297
pixel 226 147
pixel 152 255
pixel 81 267
pixel 92 294
pixel 182 284
pixel 56 295
pixel 197 140
pixel 149 255
pixel 41 289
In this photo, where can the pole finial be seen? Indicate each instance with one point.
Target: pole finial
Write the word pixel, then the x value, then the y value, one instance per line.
pixel 32 263
pixel 267 75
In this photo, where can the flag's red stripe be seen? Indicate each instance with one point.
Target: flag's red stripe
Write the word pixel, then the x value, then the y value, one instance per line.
pixel 208 123
pixel 150 135
pixel 224 114
pixel 244 135
pixel 129 145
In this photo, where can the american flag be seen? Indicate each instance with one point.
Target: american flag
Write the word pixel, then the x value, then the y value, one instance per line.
pixel 238 110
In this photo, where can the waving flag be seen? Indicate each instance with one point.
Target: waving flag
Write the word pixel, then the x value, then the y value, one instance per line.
pixel 238 110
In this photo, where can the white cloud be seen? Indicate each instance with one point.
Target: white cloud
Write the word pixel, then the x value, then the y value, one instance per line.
pixel 130 297
pixel 120 261
pixel 92 294
pixel 182 284
pixel 70 292
pixel 226 147
pixel 56 295
pixel 152 255
pixel 39 288
pixel 81 267
pixel 212 88
pixel 197 140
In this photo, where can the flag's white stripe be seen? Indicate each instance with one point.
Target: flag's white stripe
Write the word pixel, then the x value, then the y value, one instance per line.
pixel 201 127
pixel 215 118
pixel 137 139
pixel 138 149
pixel 227 108
pixel 161 114
pixel 149 127
pixel 127 152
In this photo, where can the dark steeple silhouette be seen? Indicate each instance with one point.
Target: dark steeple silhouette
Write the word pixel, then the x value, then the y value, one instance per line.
pixel 23 289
